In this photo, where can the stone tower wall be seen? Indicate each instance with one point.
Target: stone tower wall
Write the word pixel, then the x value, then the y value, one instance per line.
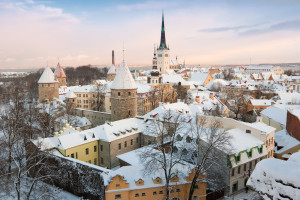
pixel 123 104
pixel 48 91
pixel 62 81
pixel 111 77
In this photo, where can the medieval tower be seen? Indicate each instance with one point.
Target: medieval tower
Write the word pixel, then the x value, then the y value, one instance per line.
pixel 123 94
pixel 111 74
pixel 48 86
pixel 163 52
pixel 60 75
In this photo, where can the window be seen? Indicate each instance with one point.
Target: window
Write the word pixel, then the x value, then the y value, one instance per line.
pixel 101 147
pixel 120 146
pixel 131 142
pixel 166 55
pixel 83 95
pixel 119 93
pixel 72 155
pixel 95 161
pixel 102 162
pixel 137 140
pixel 87 151
pixel 245 167
pixel 232 172
pixel 95 148
pixel 195 197
pixel 90 161
pixel 161 192
pixel 177 190
pixel 118 196
pixel 250 165
pixel 129 93
pixel 159 55
pixel 87 95
pixel 239 169
pixel 143 194
pixel 125 144
pixel 76 155
pixel 136 195
pixel 154 193
pixel 248 131
pixel 117 185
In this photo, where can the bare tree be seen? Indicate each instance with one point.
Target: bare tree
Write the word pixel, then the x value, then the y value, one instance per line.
pixel 165 155
pixel 228 74
pixel 206 140
pixel 99 96
pixel 46 117
pixel 235 101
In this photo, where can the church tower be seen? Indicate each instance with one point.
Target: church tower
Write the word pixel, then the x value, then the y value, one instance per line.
pixel 111 74
pixel 48 86
pixel 154 78
pixel 123 95
pixel 163 54
pixel 60 75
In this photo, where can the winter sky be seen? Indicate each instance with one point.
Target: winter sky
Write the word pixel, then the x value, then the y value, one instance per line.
pixel 202 32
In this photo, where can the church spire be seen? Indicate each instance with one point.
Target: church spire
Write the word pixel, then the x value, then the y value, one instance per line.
pixel 163 44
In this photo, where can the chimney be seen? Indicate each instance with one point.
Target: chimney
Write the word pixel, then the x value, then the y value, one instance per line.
pixel 211 95
pixel 113 57
pixel 197 99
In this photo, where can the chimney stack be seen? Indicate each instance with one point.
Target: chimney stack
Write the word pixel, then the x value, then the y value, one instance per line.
pixel 113 57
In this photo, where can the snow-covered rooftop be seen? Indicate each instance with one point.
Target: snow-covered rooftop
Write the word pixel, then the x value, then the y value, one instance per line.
pixel 243 141
pixel 285 141
pixel 277 179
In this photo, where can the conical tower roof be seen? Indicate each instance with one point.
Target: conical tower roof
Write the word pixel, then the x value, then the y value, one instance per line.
pixel 112 70
pixel 59 72
pixel 47 76
pixel 123 79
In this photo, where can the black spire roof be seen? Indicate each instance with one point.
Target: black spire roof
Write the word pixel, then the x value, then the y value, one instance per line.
pixel 163 44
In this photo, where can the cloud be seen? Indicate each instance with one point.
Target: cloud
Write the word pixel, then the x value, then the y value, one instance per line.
pixel 147 5
pixel 290 25
pixel 228 28
pixel 9 60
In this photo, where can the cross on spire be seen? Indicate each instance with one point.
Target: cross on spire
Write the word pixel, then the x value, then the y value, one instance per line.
pixel 124 52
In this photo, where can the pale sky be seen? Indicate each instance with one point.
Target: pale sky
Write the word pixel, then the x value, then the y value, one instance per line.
pixel 203 32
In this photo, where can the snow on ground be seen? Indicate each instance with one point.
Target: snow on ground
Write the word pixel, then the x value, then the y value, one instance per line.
pixel 42 191
pixel 251 195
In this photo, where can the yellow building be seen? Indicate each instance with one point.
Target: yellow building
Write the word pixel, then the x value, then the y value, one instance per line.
pixel 73 143
pixel 130 183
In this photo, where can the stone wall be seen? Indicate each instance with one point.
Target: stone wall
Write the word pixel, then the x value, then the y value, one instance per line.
pixel 293 125
pixel 74 176
pixel 96 118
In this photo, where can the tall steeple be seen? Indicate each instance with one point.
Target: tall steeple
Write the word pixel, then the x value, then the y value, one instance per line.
pixel 163 44
pixel 163 51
